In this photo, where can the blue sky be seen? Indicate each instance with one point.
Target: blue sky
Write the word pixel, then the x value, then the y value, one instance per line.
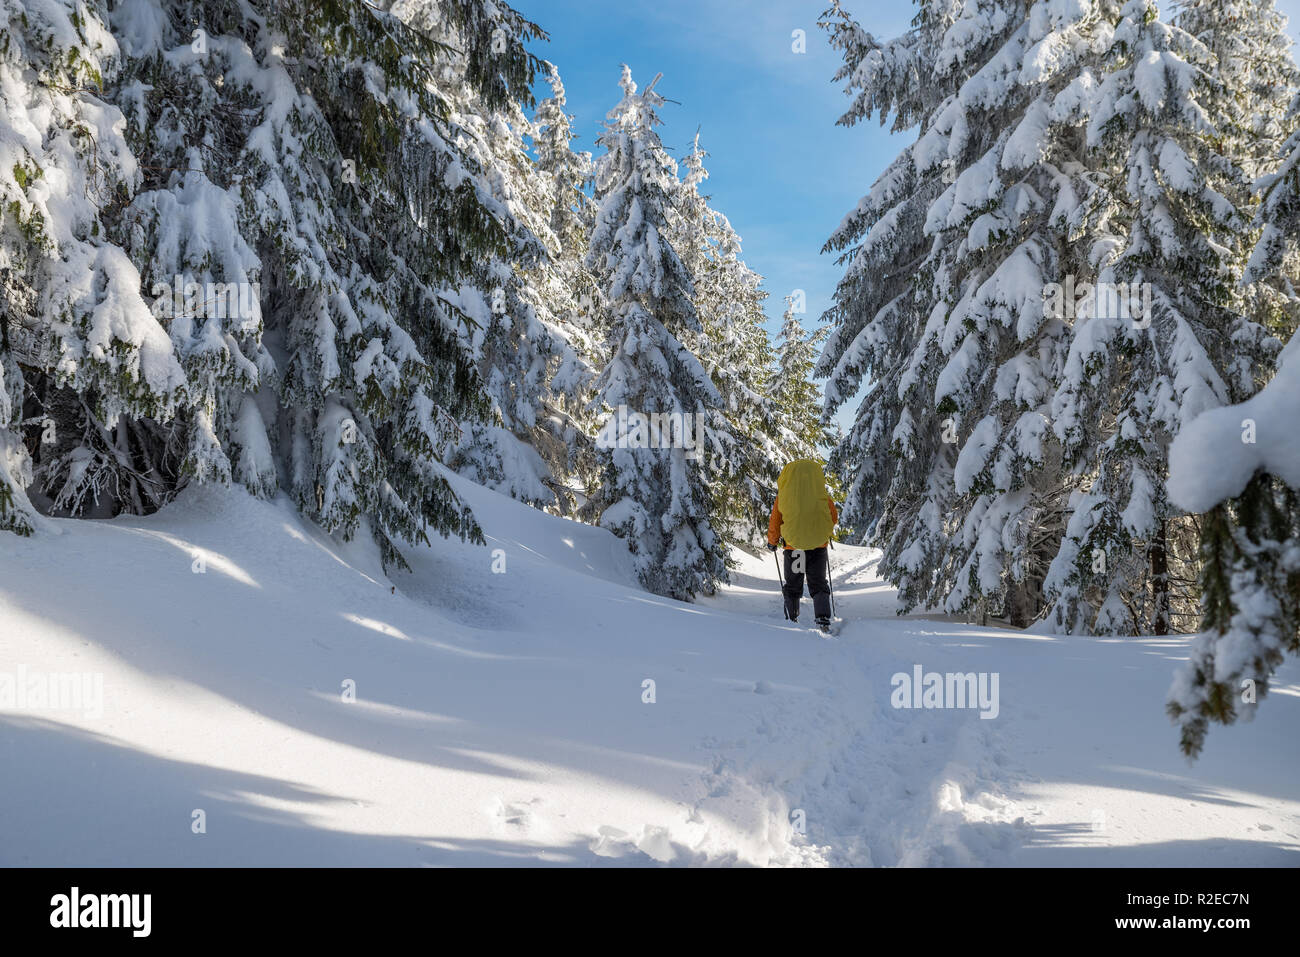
pixel 780 169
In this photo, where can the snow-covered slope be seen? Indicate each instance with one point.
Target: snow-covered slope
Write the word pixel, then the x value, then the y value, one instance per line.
pixel 500 715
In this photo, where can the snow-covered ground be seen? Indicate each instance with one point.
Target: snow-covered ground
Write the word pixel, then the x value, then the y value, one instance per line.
pixel 500 716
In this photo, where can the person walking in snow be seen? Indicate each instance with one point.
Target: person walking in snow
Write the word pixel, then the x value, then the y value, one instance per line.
pixel 804 516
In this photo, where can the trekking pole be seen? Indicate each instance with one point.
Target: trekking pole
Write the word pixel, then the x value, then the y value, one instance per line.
pixel 830 576
pixel 781 578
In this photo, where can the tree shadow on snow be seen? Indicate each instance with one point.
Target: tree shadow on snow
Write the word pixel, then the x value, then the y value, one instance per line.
pixel 1082 845
pixel 93 786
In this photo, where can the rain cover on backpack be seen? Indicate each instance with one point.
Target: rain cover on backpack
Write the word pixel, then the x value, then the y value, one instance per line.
pixel 805 508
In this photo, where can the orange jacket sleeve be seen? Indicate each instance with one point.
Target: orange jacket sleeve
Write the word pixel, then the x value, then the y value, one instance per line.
pixel 835 516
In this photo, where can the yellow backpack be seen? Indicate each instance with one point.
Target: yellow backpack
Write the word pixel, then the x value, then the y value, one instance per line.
pixel 805 509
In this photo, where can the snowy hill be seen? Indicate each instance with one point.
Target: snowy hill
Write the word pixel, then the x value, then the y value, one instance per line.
pixel 499 716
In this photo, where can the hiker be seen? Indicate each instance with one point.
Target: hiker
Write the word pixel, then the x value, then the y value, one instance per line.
pixel 803 516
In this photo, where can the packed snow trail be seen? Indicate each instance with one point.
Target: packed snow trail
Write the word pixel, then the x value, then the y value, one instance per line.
pixel 1079 767
pixel 502 713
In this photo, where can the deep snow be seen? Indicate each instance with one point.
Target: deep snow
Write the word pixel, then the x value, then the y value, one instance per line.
pixel 499 717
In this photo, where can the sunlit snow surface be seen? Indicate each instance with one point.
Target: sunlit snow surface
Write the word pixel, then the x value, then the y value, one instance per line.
pixel 500 717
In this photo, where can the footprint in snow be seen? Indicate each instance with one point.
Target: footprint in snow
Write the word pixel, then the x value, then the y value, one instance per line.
pixel 610 842
pixel 516 815
pixel 654 842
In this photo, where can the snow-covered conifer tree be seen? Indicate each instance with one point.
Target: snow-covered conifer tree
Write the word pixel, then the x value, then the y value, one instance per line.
pixel 940 313
pixel 300 153
pixel 1241 466
pixel 744 459
pixel 654 493
pixel 802 433
pixel 568 286
pixel 82 356
pixel 1252 55
pixel 878 314
pixel 1132 382
pixel 1010 451
pixel 531 343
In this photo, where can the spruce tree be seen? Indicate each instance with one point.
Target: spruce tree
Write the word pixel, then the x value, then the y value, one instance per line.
pixel 304 150
pixel 653 496
pixel 1169 114
pixel 1010 451
pixel 1239 465
pixel 802 433
pixel 950 463
pixel 531 342
pixel 569 290
pixel 744 459
pixel 83 359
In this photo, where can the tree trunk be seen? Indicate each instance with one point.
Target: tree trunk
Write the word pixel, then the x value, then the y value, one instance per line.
pixel 1160 583
pixel 1018 604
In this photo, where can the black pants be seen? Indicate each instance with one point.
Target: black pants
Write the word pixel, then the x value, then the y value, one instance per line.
pixel 811 564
